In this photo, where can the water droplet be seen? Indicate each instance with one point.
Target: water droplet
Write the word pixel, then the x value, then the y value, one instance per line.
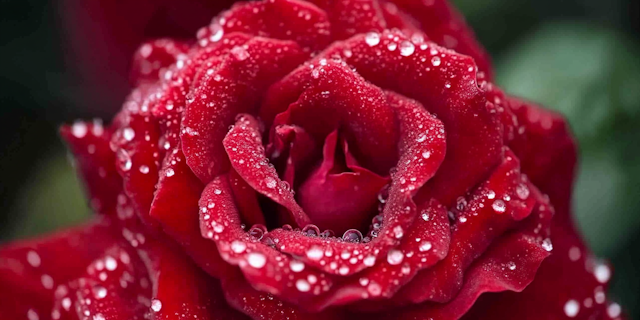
pixel 270 182
pixel 311 230
pixel 547 245
pixel 170 172
pixel 352 235
pixel 33 258
pixel 435 61
pixel 374 289
pixel 395 257
pixel 372 39
pixel 240 53
pixel 238 246
pixel 257 231
pixel 614 310
pixel 128 134
pixel 407 48
pixel 574 253
pixel 99 316
pixel 99 292
pixel 522 191
pixel 511 265
pixel 302 285
pixel 156 305
pixel 398 232
pixel 392 46
pixel 79 129
pixel 256 260
pixel 571 308
pixel 110 263
pixel 499 206
pixel 602 273
pixel 369 261
pixel 315 253
pixel 426 154
pixel 425 246
pixel 47 281
pixel 144 169
pixel 296 266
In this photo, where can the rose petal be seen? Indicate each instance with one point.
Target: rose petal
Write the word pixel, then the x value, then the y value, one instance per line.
pixel 244 148
pixel 328 96
pixel 235 86
pixel 264 268
pixel 138 161
pixel 414 169
pixel 352 17
pixel 89 143
pixel 114 286
pixel 349 199
pixel 279 19
pixel 181 288
pixel 260 305
pixel 482 217
pixel 298 146
pixel 153 57
pixel 425 74
pixel 444 25
pixel 175 206
pixel 548 152
pixel 31 270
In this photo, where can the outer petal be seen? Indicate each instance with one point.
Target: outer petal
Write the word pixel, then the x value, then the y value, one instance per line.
pixel 444 25
pixel 96 163
pixel 31 270
pixel 578 281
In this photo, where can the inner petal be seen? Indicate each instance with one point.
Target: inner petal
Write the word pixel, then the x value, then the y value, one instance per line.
pixel 339 194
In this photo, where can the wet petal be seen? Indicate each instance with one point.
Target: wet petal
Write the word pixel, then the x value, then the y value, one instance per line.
pixel 30 271
pixel 96 163
pixel 233 87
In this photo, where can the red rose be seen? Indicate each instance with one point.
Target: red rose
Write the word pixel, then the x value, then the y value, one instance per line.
pixel 318 160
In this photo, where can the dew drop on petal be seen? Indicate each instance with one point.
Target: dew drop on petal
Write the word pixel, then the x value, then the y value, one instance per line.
pixel 571 308
pixel 372 39
pixel 302 285
pixel 256 260
pixel 33 258
pixel 407 48
pixel 602 273
pixel 435 61
pixel 156 305
pixel 369 261
pixel 395 257
pixel 296 266
pixel 238 246
pixel 499 206
pixel 315 253
pixel 425 246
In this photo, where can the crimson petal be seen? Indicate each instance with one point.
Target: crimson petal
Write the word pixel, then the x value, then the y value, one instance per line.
pixel 30 270
pixel 424 72
pixel 244 148
pixel 96 164
pixel 234 86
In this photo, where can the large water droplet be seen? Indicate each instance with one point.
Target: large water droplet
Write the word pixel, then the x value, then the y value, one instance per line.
pixel 352 235
pixel 395 257
pixel 256 260
pixel 407 48
pixel 372 39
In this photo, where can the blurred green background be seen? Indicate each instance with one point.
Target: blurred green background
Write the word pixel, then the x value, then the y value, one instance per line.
pixel 580 57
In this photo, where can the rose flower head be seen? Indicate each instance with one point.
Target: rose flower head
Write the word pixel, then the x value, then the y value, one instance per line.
pixel 324 159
